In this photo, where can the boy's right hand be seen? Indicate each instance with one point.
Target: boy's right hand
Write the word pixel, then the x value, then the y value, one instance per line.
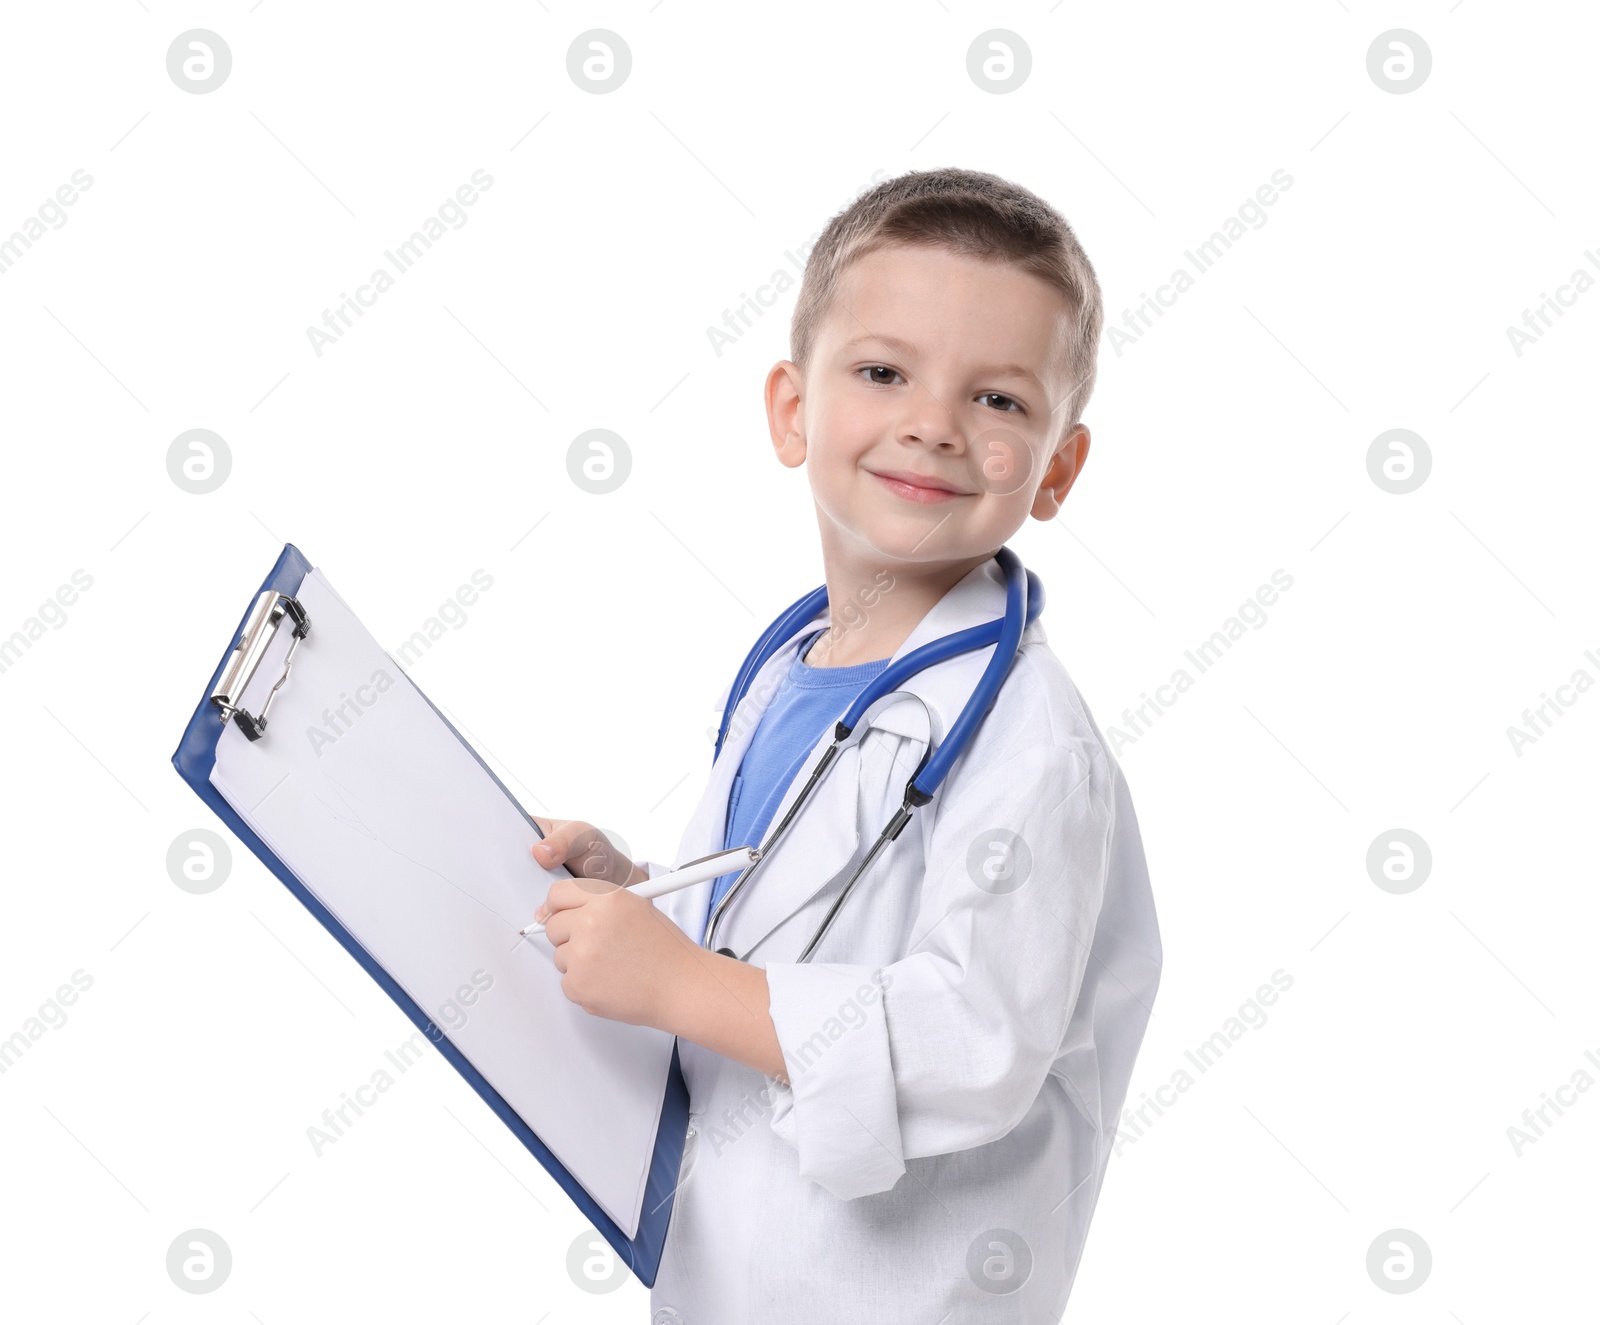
pixel 585 851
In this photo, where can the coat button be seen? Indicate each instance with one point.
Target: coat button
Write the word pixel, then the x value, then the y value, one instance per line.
pixel 725 952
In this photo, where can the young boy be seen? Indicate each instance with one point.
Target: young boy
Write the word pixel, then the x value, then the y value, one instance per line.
pixel 914 1123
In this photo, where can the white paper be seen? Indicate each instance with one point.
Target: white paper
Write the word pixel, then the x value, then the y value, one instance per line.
pixel 363 791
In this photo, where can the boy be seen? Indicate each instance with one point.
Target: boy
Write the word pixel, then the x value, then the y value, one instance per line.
pixel 912 1125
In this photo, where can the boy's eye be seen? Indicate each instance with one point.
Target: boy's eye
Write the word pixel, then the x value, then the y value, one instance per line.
pixel 994 399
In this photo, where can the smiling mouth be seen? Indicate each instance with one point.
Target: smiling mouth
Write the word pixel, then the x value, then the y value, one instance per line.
pixel 916 488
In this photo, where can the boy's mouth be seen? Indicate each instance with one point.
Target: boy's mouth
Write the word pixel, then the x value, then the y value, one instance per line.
pixel 917 487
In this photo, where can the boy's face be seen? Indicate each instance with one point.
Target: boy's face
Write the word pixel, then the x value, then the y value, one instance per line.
pixel 931 418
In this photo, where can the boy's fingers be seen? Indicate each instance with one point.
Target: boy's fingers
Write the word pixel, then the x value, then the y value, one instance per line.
pixel 583 849
pixel 556 846
pixel 551 904
pixel 541 848
pixel 567 893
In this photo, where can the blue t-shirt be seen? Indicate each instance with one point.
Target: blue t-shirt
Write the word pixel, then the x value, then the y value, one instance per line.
pixel 808 702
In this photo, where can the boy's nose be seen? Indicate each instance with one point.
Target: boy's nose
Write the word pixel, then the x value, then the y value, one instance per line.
pixel 928 415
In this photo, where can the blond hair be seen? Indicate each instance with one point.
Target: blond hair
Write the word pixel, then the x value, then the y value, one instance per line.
pixel 969 212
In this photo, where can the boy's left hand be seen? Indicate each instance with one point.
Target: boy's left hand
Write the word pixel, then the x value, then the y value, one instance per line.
pixel 619 957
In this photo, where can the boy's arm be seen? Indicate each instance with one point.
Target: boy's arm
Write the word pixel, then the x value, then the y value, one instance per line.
pixel 722 1004
pixel 947 1047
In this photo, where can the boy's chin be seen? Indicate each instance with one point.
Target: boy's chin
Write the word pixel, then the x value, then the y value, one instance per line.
pixel 924 545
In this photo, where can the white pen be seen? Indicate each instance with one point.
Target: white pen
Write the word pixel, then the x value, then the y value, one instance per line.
pixel 696 871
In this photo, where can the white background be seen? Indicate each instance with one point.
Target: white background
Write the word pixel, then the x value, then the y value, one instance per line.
pixel 1229 441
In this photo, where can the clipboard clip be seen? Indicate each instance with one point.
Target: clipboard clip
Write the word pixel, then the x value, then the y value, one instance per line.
pixel 260 628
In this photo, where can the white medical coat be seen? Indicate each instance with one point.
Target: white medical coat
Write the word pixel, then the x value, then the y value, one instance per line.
pixel 958 1046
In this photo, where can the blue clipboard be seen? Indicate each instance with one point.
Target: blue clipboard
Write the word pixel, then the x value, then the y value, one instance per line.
pixel 194 759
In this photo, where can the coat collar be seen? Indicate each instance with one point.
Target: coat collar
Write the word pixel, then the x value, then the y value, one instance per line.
pixel 866 782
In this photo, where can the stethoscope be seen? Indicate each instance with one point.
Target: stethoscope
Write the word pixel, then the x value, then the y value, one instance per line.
pixel 1024 600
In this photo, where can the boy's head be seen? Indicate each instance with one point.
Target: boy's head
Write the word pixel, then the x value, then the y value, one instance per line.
pixel 945 333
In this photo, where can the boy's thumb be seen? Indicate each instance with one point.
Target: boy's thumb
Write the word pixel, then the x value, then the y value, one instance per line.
pixel 544 848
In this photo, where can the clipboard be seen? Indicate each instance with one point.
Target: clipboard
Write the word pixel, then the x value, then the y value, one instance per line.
pixel 245 710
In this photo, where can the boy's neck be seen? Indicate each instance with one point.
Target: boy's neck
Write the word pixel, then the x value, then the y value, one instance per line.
pixel 875 604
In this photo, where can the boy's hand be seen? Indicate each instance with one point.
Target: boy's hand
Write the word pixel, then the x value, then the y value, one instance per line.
pixel 584 850
pixel 617 954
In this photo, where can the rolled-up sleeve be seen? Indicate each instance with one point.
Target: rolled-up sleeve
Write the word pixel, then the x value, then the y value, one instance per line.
pixel 948 1046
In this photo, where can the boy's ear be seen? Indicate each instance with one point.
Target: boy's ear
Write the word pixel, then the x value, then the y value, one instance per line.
pixel 786 413
pixel 1061 473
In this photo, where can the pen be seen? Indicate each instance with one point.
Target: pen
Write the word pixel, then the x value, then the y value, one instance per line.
pixel 696 871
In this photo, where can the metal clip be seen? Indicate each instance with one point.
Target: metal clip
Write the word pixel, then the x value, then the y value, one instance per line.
pixel 260 628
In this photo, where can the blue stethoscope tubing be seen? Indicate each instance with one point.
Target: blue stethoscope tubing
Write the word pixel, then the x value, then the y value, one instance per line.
pixel 1024 602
